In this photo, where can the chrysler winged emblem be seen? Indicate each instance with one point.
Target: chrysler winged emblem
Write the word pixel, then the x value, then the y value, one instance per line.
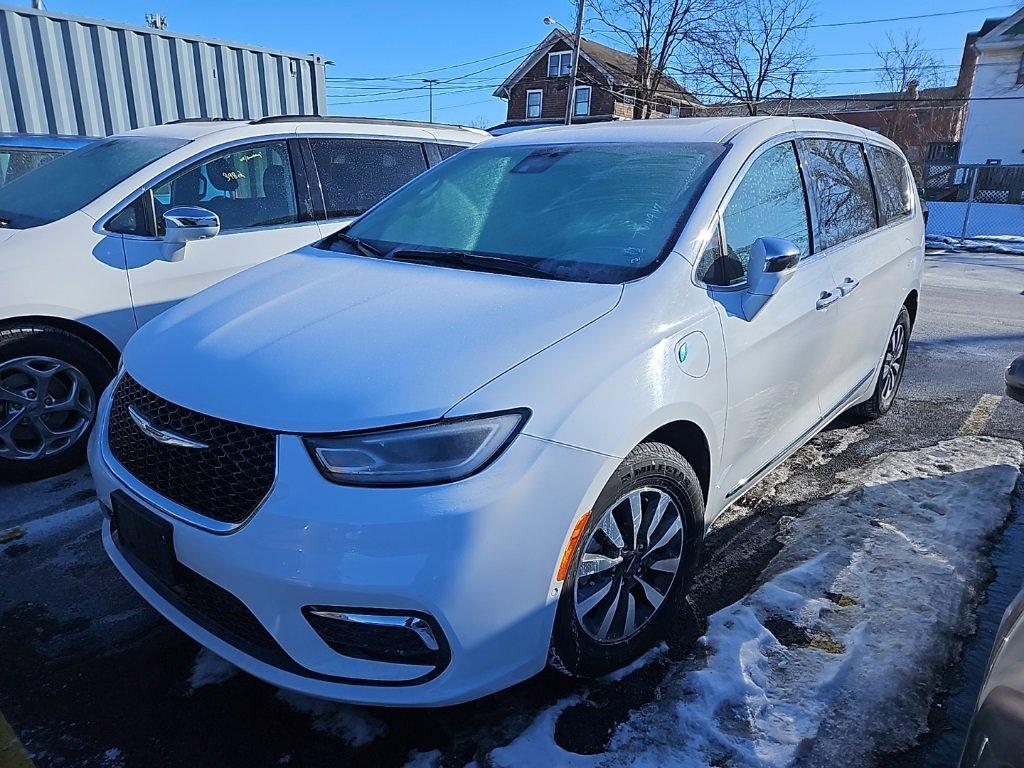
pixel 164 436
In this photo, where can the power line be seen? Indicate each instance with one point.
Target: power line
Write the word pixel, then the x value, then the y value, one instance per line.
pixel 834 24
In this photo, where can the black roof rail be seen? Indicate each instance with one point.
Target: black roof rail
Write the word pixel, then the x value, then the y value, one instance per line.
pixel 345 119
pixel 205 120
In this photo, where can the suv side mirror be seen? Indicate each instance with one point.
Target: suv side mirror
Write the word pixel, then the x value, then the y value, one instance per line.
pixel 772 262
pixel 183 225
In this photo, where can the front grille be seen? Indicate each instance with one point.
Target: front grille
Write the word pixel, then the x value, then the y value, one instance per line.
pixel 225 481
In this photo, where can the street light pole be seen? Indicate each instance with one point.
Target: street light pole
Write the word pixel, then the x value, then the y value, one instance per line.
pixel 430 84
pixel 570 104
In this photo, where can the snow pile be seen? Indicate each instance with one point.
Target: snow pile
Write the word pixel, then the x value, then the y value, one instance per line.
pixel 1012 245
pixel 865 600
pixel 833 658
pixel 353 725
pixel 209 669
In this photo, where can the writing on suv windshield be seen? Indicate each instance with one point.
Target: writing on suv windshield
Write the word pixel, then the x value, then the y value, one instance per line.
pixel 602 213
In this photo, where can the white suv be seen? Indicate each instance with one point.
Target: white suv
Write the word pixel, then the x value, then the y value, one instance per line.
pixel 487 426
pixel 100 241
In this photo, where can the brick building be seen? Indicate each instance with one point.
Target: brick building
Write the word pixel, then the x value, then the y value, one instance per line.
pixel 606 86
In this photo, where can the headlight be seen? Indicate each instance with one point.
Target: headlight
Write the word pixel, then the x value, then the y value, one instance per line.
pixel 427 454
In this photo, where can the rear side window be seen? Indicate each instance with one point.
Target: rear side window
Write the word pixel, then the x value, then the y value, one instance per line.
pixel 250 186
pixel 842 187
pixel 18 162
pixel 769 201
pixel 357 173
pixel 893 183
pixel 447 150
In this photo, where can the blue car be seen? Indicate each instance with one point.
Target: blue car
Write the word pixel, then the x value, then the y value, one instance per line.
pixel 22 152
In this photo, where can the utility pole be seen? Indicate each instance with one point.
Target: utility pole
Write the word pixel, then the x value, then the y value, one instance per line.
pixel 431 82
pixel 570 101
pixel 792 84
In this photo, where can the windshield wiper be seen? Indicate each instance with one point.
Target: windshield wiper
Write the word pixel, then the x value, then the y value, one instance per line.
pixel 467 259
pixel 362 246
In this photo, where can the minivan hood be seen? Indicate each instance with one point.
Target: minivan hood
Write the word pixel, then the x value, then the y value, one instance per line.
pixel 6 234
pixel 326 342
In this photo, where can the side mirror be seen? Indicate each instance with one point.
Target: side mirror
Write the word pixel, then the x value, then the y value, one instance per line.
pixel 772 262
pixel 185 224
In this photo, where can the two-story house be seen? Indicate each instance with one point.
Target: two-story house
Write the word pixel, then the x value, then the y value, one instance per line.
pixel 607 86
pixel 995 110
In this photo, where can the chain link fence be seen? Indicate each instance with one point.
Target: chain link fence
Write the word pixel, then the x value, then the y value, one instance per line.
pixel 974 201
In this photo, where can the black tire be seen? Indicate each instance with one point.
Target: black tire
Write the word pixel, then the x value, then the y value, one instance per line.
pixel 880 403
pixel 25 341
pixel 574 651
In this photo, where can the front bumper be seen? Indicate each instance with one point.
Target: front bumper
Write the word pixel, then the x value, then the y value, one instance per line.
pixel 478 556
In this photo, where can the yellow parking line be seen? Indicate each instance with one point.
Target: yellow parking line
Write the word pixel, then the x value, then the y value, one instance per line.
pixel 980 414
pixel 12 753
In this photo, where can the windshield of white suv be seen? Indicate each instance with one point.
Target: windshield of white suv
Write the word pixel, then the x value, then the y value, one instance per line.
pixel 63 186
pixel 604 213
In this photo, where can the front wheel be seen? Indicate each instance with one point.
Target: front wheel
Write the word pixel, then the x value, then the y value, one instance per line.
pixel 890 375
pixel 633 565
pixel 50 381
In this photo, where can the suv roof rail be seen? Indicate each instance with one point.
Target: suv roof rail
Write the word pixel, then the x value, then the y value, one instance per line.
pixel 344 119
pixel 205 120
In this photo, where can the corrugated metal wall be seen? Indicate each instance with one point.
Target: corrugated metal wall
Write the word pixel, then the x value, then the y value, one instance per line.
pixel 67 75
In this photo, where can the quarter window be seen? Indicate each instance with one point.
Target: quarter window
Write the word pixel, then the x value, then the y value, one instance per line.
pixel 560 64
pixel 447 150
pixel 843 191
pixel 892 184
pixel 534 100
pixel 357 173
pixel 581 101
pixel 769 201
pixel 250 186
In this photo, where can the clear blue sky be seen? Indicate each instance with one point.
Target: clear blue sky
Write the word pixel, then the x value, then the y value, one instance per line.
pixel 399 37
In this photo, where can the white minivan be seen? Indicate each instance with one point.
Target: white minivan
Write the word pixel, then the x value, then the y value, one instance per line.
pixel 486 427
pixel 100 241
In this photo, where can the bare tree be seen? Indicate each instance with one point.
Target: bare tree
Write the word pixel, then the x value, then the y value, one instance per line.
pixel 902 62
pixel 914 121
pixel 653 31
pixel 756 51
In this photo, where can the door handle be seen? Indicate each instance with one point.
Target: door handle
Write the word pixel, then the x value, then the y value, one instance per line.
pixel 827 298
pixel 849 286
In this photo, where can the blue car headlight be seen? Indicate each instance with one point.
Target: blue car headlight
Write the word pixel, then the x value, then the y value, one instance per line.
pixel 424 454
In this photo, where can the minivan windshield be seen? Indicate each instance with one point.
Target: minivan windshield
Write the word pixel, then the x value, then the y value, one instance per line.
pixel 65 185
pixel 590 212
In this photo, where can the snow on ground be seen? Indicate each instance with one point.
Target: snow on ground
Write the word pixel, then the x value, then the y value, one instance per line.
pixel 852 621
pixel 209 669
pixel 353 725
pixel 1012 245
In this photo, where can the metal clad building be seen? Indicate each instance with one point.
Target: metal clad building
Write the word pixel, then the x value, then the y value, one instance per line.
pixel 75 76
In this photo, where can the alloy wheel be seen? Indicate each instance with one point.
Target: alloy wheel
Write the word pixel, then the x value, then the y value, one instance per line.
pixel 892 365
pixel 628 565
pixel 46 405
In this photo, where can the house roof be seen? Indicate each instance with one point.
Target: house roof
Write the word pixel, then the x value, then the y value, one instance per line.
pixel 617 66
pixel 1006 30
pixel 834 105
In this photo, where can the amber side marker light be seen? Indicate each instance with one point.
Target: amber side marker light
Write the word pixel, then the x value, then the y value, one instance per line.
pixel 570 548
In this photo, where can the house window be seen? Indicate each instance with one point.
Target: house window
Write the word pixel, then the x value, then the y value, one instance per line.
pixel 534 99
pixel 629 96
pixel 560 64
pixel 673 109
pixel 581 100
pixel 1020 71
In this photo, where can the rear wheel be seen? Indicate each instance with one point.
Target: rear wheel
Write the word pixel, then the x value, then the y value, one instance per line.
pixel 633 565
pixel 50 381
pixel 890 376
